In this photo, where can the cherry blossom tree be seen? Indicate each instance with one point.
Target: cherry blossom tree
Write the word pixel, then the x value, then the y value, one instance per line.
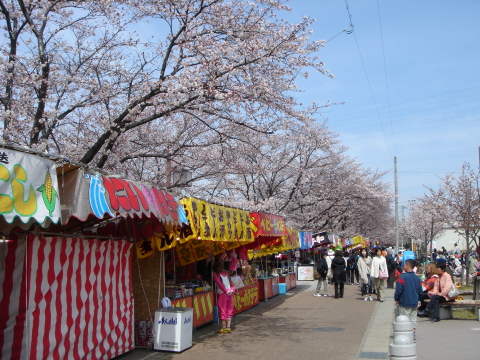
pixel 424 222
pixel 107 82
pixel 147 88
pixel 458 203
pixel 303 174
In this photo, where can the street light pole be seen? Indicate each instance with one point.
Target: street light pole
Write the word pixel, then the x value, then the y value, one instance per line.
pixel 396 203
pixel 467 258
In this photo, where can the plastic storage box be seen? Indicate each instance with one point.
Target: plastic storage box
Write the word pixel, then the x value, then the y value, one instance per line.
pixel 282 288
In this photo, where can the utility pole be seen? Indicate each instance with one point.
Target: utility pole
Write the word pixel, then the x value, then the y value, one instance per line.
pixel 467 258
pixel 396 203
pixel 403 222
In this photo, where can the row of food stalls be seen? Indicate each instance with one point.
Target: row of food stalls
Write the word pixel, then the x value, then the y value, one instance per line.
pixel 312 245
pixel 244 241
pixel 88 257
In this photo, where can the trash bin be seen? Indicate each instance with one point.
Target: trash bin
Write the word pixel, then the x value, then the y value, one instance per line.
pixel 173 329
pixel 282 289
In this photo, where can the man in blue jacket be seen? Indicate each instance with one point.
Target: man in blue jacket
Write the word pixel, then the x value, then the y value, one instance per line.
pixel 408 293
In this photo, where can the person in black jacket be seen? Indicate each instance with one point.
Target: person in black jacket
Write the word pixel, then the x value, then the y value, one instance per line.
pixel 322 269
pixel 352 268
pixel 391 266
pixel 339 275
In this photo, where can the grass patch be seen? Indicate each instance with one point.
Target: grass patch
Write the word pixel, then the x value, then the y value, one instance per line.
pixel 465 314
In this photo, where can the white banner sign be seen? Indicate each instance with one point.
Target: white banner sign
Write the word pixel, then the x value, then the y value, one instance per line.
pixel 28 188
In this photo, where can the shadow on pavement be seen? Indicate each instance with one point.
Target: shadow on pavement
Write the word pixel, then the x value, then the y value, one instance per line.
pixel 209 330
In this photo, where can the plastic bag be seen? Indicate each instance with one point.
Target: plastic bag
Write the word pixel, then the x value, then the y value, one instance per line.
pixel 166 302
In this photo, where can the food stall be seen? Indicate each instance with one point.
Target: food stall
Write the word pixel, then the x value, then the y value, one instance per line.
pixel 290 280
pixel 202 301
pixel 214 231
pixel 268 287
pixel 246 296
pixel 286 271
pixel 202 304
pixel 269 231
pixel 69 244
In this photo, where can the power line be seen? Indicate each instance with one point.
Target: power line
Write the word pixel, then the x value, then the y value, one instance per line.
pixel 386 77
pixel 366 74
pixel 351 125
pixel 410 124
pixel 422 172
pixel 413 100
pixel 341 32
pixel 359 135
pixel 406 108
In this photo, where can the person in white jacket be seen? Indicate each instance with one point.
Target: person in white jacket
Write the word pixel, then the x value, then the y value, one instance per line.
pixel 330 256
pixel 378 264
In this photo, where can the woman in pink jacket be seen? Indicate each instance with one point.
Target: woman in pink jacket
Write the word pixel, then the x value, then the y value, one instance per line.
pixel 225 291
pixel 440 291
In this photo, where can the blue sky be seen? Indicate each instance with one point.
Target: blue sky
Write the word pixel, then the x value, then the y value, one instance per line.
pixel 416 95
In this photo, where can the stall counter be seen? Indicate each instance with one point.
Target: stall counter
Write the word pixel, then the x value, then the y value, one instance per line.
pixel 202 304
pixel 290 280
pixel 268 287
pixel 245 298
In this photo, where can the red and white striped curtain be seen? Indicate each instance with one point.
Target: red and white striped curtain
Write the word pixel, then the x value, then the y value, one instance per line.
pixel 65 298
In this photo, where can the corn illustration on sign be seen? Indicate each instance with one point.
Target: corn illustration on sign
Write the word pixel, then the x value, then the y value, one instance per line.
pixel 49 194
pixel 28 188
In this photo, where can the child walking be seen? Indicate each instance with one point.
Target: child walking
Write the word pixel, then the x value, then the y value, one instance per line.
pixel 408 293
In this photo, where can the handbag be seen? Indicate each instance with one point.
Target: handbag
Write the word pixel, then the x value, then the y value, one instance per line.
pixel 316 274
pixel 454 292
pixel 382 275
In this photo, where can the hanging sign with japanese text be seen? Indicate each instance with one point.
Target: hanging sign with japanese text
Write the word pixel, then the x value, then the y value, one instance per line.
pixel 268 224
pixel 291 241
pixel 85 193
pixel 245 298
pixel 28 189
pixel 217 223
pixel 306 241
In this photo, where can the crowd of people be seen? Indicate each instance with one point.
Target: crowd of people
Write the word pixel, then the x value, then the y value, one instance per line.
pixel 368 268
pixel 373 270
pixel 456 261
pixel 380 268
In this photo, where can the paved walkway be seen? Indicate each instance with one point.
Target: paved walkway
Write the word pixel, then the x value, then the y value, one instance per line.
pixel 301 325
pixel 448 339
pixel 378 337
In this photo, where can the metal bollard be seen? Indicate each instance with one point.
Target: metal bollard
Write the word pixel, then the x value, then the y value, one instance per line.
pixel 403 346
pixel 403 326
